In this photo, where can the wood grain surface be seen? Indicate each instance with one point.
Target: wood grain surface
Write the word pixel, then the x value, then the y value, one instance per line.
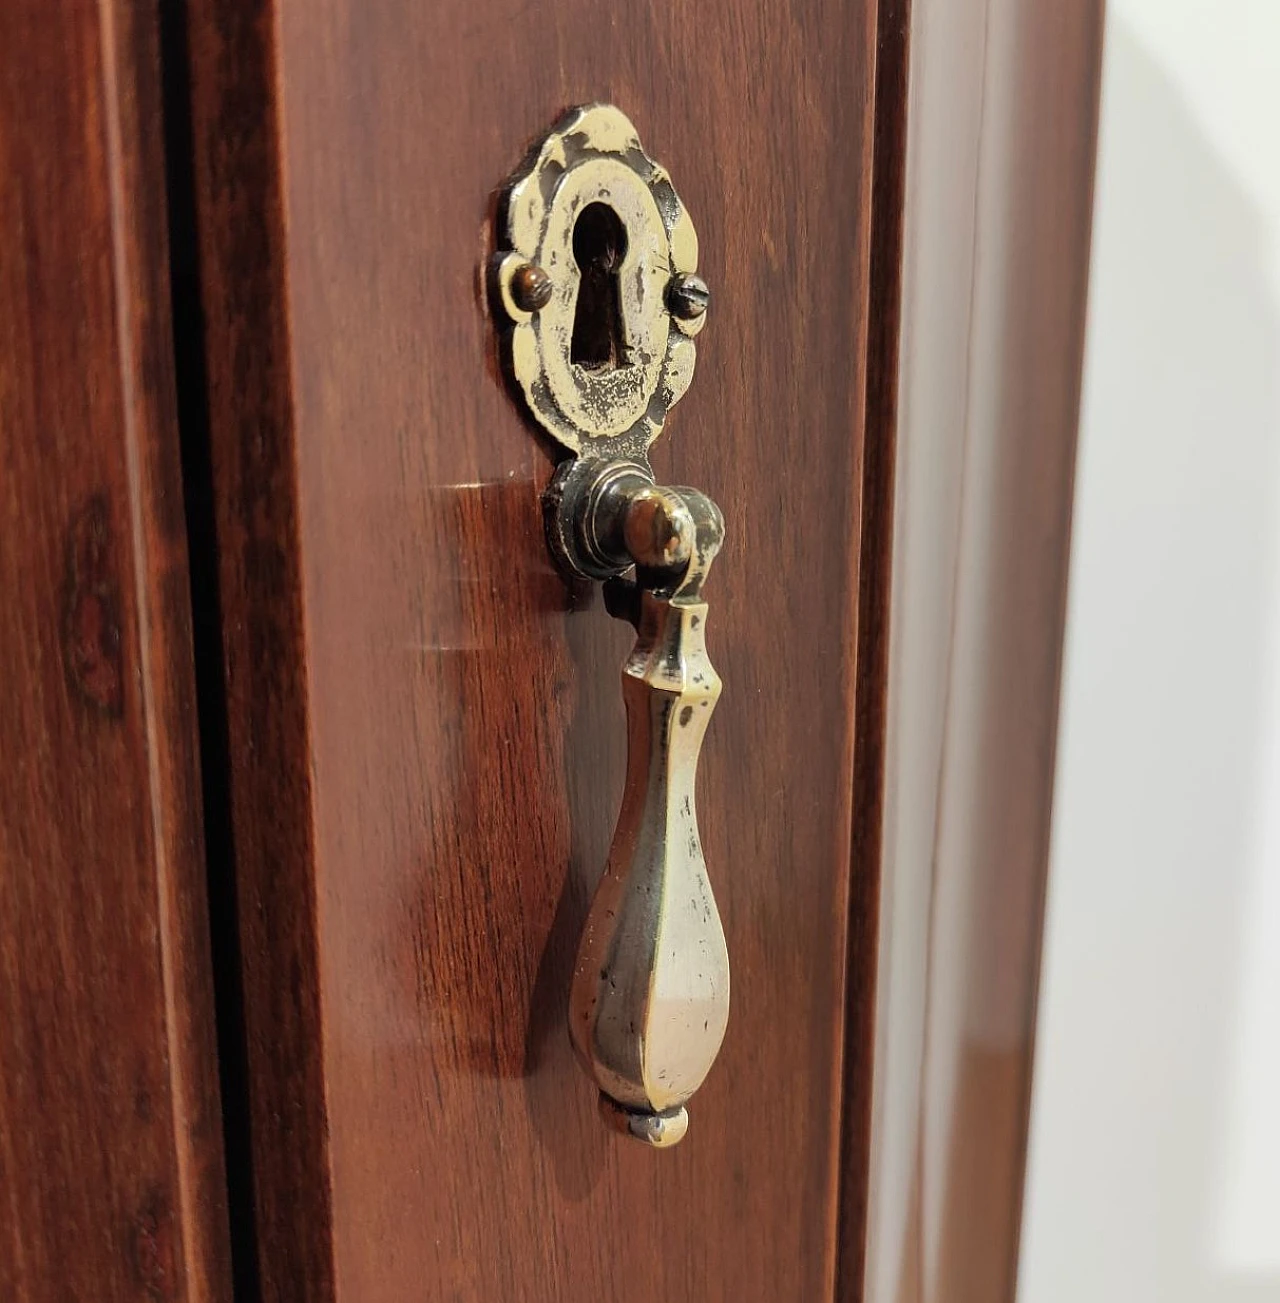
pixel 424 726
pixel 110 1149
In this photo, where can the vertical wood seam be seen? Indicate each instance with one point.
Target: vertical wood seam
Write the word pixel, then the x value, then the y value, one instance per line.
pixel 232 92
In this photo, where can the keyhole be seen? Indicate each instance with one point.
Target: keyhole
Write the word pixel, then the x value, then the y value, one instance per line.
pixel 599 245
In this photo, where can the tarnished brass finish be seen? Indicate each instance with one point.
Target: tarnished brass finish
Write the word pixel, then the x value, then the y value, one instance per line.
pixel 598 286
pixel 657 529
pixel 531 287
pixel 688 297
pixel 650 995
pixel 605 517
pixel 610 402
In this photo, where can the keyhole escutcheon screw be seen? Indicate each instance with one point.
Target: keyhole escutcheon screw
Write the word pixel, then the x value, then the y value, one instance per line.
pixel 688 297
pixel 531 287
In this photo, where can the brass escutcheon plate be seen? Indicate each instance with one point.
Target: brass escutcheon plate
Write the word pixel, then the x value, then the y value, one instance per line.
pixel 610 402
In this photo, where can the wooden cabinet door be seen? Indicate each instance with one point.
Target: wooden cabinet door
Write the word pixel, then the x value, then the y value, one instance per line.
pixel 424 735
pixel 280 621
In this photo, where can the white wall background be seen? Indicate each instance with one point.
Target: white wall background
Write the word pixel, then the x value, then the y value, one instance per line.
pixel 1155 1148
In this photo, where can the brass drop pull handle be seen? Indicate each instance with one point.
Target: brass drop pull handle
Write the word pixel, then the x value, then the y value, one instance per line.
pixel 650 995
pixel 596 281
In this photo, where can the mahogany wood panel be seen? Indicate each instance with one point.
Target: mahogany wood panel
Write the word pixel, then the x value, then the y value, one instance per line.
pixel 425 726
pixel 110 1148
pixel 1002 119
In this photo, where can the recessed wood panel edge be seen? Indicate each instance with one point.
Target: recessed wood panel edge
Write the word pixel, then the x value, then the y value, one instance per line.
pixel 240 432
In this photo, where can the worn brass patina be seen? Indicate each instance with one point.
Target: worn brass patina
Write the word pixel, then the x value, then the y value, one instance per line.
pixel 591 159
pixel 598 286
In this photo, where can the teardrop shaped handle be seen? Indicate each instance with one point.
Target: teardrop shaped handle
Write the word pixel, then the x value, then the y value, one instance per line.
pixel 650 997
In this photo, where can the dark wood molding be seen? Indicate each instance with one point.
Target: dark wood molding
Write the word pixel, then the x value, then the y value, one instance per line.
pixel 111 1183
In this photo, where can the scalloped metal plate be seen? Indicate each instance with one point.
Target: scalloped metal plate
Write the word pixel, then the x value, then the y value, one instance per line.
pixel 594 155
